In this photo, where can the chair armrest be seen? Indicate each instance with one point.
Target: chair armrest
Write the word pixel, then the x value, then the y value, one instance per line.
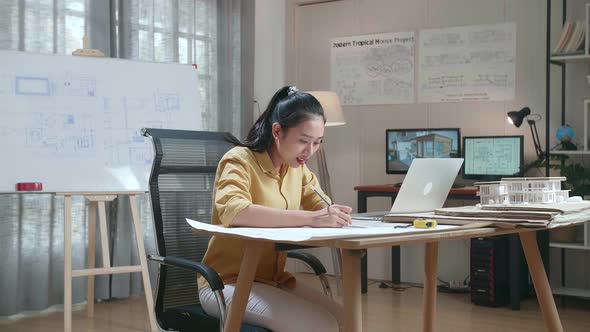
pixel 210 275
pixel 310 260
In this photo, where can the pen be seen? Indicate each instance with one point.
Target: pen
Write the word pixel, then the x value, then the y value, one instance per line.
pixel 318 193
pixel 328 203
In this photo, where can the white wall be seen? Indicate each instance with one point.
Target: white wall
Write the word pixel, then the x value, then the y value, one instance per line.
pixel 269 51
pixel 360 144
pixel 305 34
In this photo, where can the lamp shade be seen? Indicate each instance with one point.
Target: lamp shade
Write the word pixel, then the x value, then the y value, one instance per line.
pixel 516 118
pixel 331 105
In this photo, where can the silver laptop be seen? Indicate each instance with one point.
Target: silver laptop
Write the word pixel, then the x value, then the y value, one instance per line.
pixel 426 185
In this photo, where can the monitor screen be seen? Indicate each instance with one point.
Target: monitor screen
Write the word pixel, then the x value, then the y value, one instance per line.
pixel 492 157
pixel 403 145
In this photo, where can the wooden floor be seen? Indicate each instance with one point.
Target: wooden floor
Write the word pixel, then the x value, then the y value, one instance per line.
pixel 383 310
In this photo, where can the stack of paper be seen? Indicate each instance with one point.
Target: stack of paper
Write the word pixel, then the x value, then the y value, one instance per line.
pixel 565 208
pixel 465 220
pixel 470 211
pixel 505 216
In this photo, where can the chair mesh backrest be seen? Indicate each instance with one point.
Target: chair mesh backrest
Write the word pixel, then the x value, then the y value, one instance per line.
pixel 181 186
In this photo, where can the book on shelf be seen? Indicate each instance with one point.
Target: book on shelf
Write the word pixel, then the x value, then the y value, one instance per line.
pixel 572 39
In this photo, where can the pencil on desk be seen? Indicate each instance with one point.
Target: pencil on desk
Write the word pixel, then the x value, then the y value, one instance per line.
pixel 321 196
pixel 328 203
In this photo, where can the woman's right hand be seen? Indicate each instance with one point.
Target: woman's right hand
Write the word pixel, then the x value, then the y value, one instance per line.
pixel 334 215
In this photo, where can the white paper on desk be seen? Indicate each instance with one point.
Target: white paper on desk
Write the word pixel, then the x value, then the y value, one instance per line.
pixel 308 233
pixel 571 218
pixel 562 207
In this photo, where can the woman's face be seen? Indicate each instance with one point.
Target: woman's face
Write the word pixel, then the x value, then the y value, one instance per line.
pixel 296 145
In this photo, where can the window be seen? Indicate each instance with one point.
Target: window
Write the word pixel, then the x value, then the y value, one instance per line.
pixel 44 26
pixel 183 31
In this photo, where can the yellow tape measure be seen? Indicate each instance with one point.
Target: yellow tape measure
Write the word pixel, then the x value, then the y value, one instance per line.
pixel 424 223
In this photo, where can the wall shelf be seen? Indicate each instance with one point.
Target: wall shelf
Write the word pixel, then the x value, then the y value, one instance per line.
pixel 578 245
pixel 565 245
pixel 578 58
pixel 576 292
pixel 581 152
pixel 562 61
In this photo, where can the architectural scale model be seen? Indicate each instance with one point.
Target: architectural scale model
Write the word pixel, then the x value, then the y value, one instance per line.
pixel 522 191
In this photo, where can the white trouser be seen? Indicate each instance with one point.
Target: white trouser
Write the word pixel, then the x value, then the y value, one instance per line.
pixel 282 309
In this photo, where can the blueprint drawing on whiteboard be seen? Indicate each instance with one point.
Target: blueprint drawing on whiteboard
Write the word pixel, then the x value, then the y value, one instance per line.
pixel 32 86
pixel 74 123
pixel 373 69
pixel 471 63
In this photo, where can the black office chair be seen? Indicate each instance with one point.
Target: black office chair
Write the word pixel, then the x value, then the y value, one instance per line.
pixel 181 186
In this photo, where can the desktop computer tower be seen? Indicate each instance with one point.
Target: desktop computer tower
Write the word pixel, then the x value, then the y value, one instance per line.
pixel 490 271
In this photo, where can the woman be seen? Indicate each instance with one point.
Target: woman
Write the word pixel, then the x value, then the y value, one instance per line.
pixel 263 182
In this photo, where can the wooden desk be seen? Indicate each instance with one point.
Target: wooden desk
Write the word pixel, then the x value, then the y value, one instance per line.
pixel 351 260
pixel 389 190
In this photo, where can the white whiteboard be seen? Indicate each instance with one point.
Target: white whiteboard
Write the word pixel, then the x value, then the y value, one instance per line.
pixel 73 123
pixel 373 69
pixel 470 63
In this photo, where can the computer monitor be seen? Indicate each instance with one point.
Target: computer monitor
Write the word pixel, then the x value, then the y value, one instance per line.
pixel 491 158
pixel 404 145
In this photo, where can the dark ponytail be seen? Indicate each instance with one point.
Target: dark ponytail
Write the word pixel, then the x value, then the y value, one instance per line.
pixel 289 108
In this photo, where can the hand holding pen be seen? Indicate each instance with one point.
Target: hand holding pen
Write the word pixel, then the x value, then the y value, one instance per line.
pixel 337 215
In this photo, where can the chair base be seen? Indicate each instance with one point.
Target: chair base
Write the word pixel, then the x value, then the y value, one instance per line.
pixel 192 318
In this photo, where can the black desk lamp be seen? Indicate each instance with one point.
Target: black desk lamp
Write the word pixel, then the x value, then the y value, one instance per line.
pixel 516 119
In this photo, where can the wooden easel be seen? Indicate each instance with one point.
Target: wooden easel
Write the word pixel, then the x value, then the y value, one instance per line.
pixel 97 202
pixel 86 50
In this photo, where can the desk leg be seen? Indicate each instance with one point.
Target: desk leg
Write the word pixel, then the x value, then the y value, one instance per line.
pixel 542 288
pixel 351 261
pixel 514 262
pixel 430 276
pixel 252 251
pixel 361 200
pixel 91 257
pixel 364 273
pixel 67 263
pixel 396 259
pixel 396 272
